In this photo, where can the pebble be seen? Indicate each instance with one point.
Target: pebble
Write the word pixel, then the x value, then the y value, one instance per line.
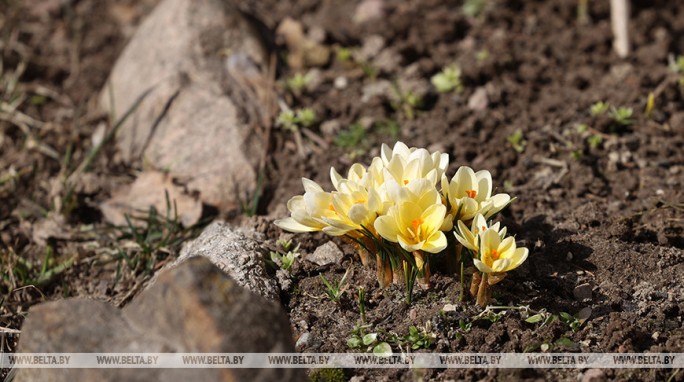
pixel 582 292
pixel 303 341
pixel 593 375
pixel 328 253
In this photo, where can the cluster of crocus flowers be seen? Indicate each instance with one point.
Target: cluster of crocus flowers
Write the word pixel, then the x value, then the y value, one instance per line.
pixel 403 209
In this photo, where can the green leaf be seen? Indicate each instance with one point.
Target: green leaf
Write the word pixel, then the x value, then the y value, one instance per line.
pixel 566 342
pixel 354 342
pixel 370 338
pixel 534 319
pixel 382 349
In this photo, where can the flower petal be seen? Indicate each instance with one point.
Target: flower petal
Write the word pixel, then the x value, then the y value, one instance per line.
pixel 484 185
pixel 435 243
pixel 482 267
pixel 311 186
pixel 386 226
pixel 291 225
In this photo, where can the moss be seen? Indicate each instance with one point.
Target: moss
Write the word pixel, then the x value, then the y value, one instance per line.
pixel 328 375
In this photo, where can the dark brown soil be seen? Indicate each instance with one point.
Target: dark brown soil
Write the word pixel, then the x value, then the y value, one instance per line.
pixel 609 214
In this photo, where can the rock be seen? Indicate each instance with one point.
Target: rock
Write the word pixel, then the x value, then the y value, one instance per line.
pixel 380 88
pixel 191 108
pixel 302 342
pixel 369 10
pixel 449 308
pixel 284 279
pixel 478 101
pixel 151 189
pixel 582 292
pixel 51 227
pixel 328 253
pixel 372 45
pixel 593 375
pixel 331 127
pixel 237 253
pixel 192 308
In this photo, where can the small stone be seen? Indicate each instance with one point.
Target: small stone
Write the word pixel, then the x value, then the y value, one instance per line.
pixel 341 82
pixel 449 308
pixel 582 292
pixel 369 10
pixel 331 127
pixel 413 314
pixel 479 100
pixel 593 375
pixel 284 279
pixel 328 253
pixel 372 46
pixel 302 342
pixel 380 88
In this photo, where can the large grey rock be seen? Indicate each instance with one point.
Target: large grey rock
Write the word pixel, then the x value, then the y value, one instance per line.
pixel 237 253
pixel 192 308
pixel 192 79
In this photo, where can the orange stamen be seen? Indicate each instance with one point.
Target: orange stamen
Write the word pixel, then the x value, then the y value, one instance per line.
pixel 495 255
pixel 471 193
pixel 415 223
pixel 331 207
pixel 405 182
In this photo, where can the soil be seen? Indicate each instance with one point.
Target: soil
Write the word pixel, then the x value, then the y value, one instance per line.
pixel 598 202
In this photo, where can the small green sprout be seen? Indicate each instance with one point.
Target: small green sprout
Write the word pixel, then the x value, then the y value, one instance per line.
pixel 422 339
pixel 286 260
pixel 405 101
pixel 474 8
pixel 359 338
pixel 599 108
pixel 573 322
pixel 448 79
pixel 622 115
pixel 517 141
pixel 581 128
pixel 344 54
pixel 287 120
pixel 334 290
pixel 298 83
pixel 577 154
pixel 676 65
pixel 650 105
pixel 293 120
pixel 594 141
pixel 306 116
pixel 285 244
pixel 351 137
pixel 465 326
pixel 482 55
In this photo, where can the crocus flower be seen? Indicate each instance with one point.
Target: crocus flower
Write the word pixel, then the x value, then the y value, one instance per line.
pixel 415 221
pixel 470 237
pixel 498 255
pixel 470 193
pixel 307 211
